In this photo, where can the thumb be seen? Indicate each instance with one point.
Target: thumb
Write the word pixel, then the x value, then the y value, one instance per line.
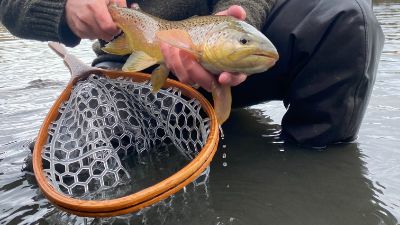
pixel 235 11
pixel 120 3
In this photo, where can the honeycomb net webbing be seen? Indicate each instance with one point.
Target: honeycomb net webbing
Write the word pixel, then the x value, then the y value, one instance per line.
pixel 105 120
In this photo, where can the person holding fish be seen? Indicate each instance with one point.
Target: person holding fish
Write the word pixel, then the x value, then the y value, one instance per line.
pixel 328 53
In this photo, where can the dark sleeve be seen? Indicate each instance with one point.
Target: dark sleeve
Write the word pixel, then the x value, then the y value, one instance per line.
pixel 257 10
pixel 42 20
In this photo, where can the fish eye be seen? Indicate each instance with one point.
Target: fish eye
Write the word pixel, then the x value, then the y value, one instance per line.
pixel 244 41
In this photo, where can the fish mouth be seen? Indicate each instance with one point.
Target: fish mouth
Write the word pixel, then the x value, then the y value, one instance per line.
pixel 269 58
pixel 263 60
pixel 270 55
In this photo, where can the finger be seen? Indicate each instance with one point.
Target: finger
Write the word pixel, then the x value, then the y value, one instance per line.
pixel 238 79
pixel 73 20
pixel 198 74
pixel 85 26
pixel 85 32
pixel 89 28
pixel 222 13
pixel 173 61
pixel 120 3
pixel 237 11
pixel 180 59
pixel 230 79
pixel 186 68
pixel 105 23
pixel 135 6
pixel 165 50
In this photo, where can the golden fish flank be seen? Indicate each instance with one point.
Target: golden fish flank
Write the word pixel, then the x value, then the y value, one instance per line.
pixel 219 43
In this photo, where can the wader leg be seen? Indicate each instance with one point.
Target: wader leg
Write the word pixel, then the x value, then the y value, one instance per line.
pixel 329 52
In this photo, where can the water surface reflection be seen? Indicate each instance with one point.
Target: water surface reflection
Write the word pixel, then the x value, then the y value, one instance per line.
pixel 255 180
pixel 270 183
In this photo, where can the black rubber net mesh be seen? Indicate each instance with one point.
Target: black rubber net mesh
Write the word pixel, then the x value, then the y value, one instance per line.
pixel 107 121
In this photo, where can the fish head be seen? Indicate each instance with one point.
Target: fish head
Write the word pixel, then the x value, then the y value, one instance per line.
pixel 236 46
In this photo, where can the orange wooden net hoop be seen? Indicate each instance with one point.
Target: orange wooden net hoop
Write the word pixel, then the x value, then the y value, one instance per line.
pixel 71 157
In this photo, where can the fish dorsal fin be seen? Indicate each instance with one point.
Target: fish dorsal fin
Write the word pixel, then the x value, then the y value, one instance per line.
pixel 179 39
pixel 118 46
pixel 138 61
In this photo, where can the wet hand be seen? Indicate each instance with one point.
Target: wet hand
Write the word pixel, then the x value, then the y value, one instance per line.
pixel 90 19
pixel 189 71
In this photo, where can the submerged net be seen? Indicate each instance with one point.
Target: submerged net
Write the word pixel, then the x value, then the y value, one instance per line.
pixel 105 121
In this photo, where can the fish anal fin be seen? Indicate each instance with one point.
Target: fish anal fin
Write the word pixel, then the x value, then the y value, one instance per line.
pixel 138 61
pixel 118 46
pixel 222 97
pixel 158 77
pixel 179 39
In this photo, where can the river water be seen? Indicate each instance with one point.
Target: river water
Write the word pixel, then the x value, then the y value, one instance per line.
pixel 256 179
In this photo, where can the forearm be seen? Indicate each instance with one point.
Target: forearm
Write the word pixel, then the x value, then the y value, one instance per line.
pixel 257 10
pixel 42 20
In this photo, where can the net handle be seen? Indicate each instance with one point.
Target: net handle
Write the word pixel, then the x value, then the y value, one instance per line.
pixel 77 68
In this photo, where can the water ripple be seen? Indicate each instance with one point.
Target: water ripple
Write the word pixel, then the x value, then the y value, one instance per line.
pixel 357 183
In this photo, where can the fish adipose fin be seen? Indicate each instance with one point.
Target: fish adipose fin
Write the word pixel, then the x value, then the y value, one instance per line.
pixel 138 61
pixel 179 39
pixel 158 77
pixel 222 97
pixel 118 46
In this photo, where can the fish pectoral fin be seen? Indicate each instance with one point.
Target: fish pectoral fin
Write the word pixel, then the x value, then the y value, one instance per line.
pixel 138 61
pixel 179 39
pixel 158 77
pixel 118 46
pixel 222 97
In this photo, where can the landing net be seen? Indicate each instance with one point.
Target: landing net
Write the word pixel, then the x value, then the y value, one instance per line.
pixel 104 117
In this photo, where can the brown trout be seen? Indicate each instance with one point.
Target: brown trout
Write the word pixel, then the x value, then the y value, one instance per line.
pixel 218 43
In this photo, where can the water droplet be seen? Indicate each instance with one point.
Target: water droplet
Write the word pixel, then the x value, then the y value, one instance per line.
pixel 221 132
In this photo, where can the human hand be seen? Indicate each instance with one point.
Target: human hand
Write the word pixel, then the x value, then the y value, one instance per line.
pixel 189 71
pixel 90 18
